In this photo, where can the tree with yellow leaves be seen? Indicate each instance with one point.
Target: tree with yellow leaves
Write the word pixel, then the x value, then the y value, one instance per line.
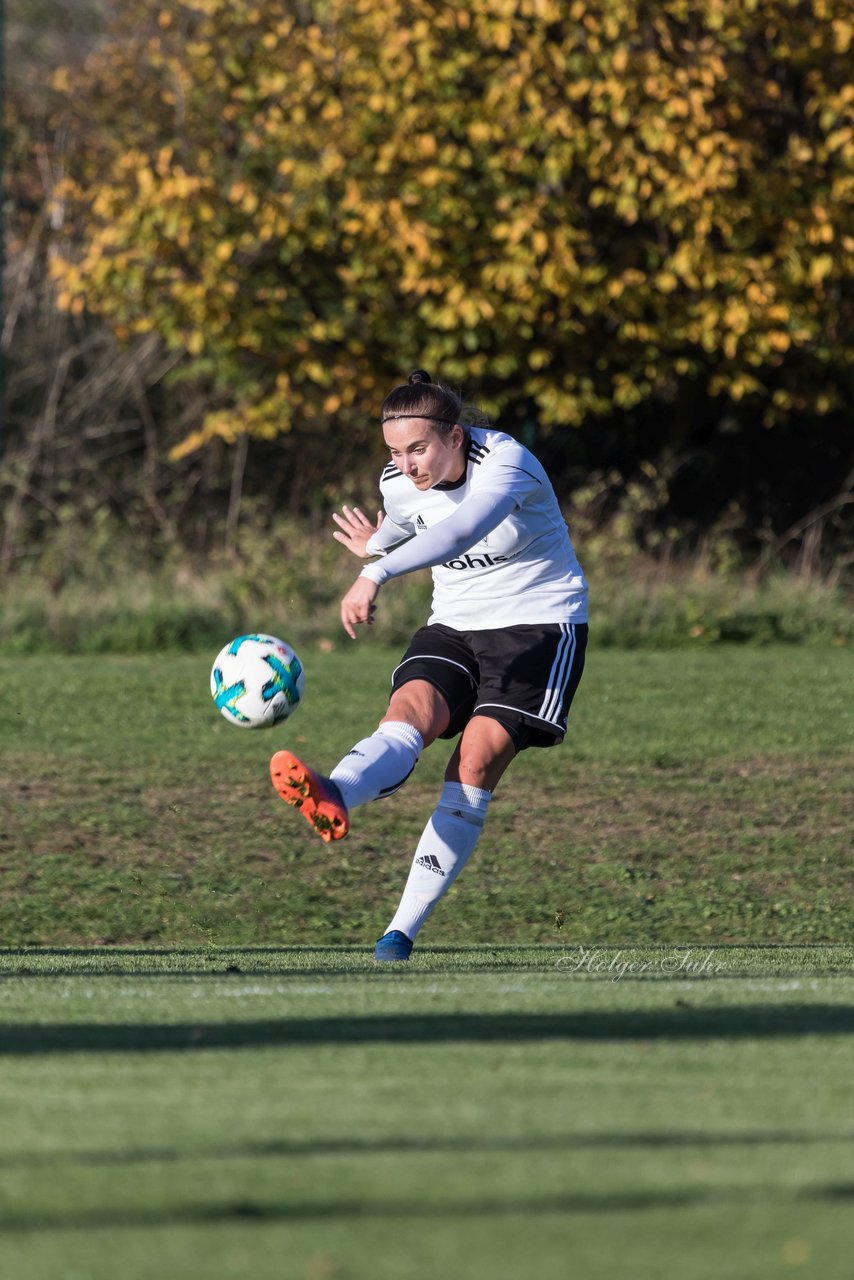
pixel 586 204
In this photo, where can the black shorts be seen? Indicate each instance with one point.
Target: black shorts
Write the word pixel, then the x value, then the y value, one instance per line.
pixel 524 677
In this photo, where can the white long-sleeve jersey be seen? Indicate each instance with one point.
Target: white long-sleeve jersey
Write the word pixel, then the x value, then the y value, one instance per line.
pixel 497 543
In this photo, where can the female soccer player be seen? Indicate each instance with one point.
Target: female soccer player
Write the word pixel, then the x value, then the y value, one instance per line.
pixel 502 653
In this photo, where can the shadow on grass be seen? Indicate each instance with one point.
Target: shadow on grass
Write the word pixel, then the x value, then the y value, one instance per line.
pixel 249 1211
pixel 751 1022
pixel 404 1145
pixel 415 971
pixel 645 962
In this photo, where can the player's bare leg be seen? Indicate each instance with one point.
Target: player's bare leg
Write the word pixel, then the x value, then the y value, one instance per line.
pixel 420 704
pixel 482 754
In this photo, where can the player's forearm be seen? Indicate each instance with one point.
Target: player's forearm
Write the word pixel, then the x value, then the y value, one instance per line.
pixel 388 535
pixel 477 517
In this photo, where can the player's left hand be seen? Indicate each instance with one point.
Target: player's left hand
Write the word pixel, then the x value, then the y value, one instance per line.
pixel 358 605
pixel 355 529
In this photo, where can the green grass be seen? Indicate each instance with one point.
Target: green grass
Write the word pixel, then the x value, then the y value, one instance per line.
pixel 700 796
pixel 487 1113
pixel 622 1093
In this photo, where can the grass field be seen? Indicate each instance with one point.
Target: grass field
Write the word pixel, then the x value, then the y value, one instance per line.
pixel 701 796
pixel 577 1074
pixel 489 1113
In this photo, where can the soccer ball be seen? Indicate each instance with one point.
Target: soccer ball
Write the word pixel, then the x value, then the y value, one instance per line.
pixel 257 681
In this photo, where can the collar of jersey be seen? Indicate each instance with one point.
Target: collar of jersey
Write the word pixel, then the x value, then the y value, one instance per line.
pixel 444 485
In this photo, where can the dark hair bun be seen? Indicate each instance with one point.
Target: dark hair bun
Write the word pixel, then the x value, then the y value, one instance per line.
pixel 418 376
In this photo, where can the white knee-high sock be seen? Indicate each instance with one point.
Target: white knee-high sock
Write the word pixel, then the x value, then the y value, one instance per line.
pixel 444 849
pixel 378 765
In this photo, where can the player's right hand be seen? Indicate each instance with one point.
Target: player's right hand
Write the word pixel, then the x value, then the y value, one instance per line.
pixel 359 605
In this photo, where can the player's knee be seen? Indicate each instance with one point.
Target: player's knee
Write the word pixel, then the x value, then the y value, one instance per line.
pixel 476 770
pixel 483 753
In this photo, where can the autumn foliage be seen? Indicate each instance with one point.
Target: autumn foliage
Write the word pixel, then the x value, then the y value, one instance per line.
pixel 585 205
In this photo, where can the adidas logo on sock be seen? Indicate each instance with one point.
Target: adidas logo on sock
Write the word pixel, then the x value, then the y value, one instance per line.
pixel 431 862
pixel 420 522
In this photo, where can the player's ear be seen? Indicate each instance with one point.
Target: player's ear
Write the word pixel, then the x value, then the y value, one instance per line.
pixel 457 436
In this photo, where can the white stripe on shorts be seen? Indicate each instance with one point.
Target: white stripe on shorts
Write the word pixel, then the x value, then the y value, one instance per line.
pixel 433 657
pixel 559 676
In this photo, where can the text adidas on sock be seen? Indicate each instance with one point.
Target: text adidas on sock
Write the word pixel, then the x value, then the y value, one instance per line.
pixel 431 862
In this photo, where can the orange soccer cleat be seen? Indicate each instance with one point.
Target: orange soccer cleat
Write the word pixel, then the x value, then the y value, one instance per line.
pixel 317 798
